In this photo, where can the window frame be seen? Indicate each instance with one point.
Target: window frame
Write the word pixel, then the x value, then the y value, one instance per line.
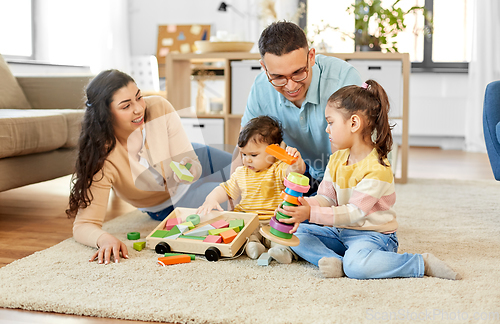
pixel 427 65
pixel 32 57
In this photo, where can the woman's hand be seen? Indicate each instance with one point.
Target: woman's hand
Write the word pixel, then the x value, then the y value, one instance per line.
pixel 298 214
pixel 193 170
pixel 109 245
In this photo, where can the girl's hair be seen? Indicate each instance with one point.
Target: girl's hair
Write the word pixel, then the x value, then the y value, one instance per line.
pixel 97 137
pixel 371 100
pixel 263 129
pixel 282 37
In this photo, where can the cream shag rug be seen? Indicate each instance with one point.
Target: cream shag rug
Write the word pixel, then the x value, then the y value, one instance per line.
pixel 458 221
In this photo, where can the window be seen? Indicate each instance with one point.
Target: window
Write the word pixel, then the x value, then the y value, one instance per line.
pixel 448 48
pixel 16 28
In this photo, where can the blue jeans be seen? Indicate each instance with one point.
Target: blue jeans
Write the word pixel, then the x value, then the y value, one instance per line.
pixel 364 254
pixel 216 168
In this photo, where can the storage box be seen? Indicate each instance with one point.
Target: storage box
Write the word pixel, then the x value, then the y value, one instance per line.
pixel 204 130
pixel 390 75
pixel 243 74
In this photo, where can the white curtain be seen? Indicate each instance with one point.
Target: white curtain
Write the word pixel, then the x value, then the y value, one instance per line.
pixel 483 69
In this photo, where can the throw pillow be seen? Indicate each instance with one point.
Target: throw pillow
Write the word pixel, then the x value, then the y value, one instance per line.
pixel 11 94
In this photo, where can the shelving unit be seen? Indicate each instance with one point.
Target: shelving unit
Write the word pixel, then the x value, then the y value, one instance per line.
pixel 178 72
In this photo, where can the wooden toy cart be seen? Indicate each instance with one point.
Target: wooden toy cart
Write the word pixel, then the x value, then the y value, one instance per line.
pixel 212 251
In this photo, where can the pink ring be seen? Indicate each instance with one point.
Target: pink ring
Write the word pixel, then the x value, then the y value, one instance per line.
pixel 296 187
pixel 285 228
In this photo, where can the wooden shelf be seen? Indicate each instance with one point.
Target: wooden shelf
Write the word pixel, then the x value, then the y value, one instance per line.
pixel 178 70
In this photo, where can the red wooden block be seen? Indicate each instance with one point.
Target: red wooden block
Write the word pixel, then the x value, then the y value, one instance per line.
pixel 220 224
pixel 171 222
pixel 228 236
pixel 280 153
pixel 213 239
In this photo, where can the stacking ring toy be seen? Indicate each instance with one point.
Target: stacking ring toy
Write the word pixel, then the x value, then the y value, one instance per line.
pixel 290 199
pixel 293 192
pixel 298 178
pixel 296 187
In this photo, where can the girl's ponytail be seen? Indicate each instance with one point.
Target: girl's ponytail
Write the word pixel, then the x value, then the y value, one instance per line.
pixel 379 118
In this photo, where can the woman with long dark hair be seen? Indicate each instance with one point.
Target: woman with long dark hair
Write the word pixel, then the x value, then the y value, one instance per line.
pixel 127 143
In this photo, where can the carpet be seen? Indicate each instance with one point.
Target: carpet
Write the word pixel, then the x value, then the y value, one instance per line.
pixel 458 221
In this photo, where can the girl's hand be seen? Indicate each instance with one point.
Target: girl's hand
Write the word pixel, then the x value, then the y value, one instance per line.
pixel 298 214
pixel 109 245
pixel 185 161
pixel 208 206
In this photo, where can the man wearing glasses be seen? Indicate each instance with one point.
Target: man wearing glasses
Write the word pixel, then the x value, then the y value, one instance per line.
pixel 294 88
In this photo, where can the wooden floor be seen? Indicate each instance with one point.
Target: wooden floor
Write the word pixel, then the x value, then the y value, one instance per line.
pixel 34 218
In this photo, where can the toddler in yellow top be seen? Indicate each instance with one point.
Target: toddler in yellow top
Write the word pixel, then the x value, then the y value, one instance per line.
pixel 259 182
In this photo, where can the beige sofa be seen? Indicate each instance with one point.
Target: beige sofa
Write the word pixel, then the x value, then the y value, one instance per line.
pixel 40 120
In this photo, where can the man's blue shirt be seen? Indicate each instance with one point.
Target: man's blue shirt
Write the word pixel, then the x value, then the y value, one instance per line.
pixel 304 128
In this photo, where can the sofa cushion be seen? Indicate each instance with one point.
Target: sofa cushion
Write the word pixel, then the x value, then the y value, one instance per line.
pixel 27 131
pixel 74 121
pixel 11 95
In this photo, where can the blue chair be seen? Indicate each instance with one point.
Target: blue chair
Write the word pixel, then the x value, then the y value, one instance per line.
pixel 491 125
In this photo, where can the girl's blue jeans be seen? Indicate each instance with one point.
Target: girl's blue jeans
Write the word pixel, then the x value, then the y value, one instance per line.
pixel 364 254
pixel 216 168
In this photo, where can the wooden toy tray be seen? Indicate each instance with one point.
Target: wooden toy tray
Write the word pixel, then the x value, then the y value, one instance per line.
pixel 185 245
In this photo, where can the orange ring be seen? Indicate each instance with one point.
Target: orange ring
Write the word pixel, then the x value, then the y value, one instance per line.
pixel 289 198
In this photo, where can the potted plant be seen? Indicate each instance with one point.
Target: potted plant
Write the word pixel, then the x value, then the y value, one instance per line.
pixel 376 26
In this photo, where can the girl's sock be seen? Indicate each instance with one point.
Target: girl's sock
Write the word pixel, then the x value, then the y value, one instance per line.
pixel 434 267
pixel 281 253
pixel 331 267
pixel 254 249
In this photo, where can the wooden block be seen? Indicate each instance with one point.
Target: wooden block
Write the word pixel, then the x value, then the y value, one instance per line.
pixel 213 239
pixel 228 236
pixel 173 231
pixel 264 259
pixel 192 256
pixel 220 224
pixel 159 233
pixel 175 259
pixel 218 231
pixel 139 245
pixel 200 231
pixel 280 153
pixel 171 222
pixel 240 223
pixel 188 224
pixel 201 238
pixel 181 171
pixel 181 228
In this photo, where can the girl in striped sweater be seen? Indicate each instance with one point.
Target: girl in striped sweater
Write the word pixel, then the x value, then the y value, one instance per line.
pixel 356 197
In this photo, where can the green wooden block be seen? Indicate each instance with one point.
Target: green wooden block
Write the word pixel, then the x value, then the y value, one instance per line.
pixel 240 223
pixel 173 231
pixel 201 238
pixel 159 233
pixel 192 256
pixel 188 224
pixel 181 171
pixel 139 245
pixel 217 231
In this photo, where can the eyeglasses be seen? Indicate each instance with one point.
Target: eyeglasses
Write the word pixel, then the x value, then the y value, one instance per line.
pixel 298 76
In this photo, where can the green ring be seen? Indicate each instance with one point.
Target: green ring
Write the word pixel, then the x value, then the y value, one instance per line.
pixel 277 233
pixel 286 203
pixel 195 219
pixel 282 216
pixel 133 235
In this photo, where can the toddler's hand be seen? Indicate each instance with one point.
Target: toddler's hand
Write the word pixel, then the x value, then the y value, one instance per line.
pixel 298 214
pixel 292 151
pixel 208 206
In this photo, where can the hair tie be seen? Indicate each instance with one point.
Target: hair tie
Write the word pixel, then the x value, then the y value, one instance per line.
pixel 364 85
